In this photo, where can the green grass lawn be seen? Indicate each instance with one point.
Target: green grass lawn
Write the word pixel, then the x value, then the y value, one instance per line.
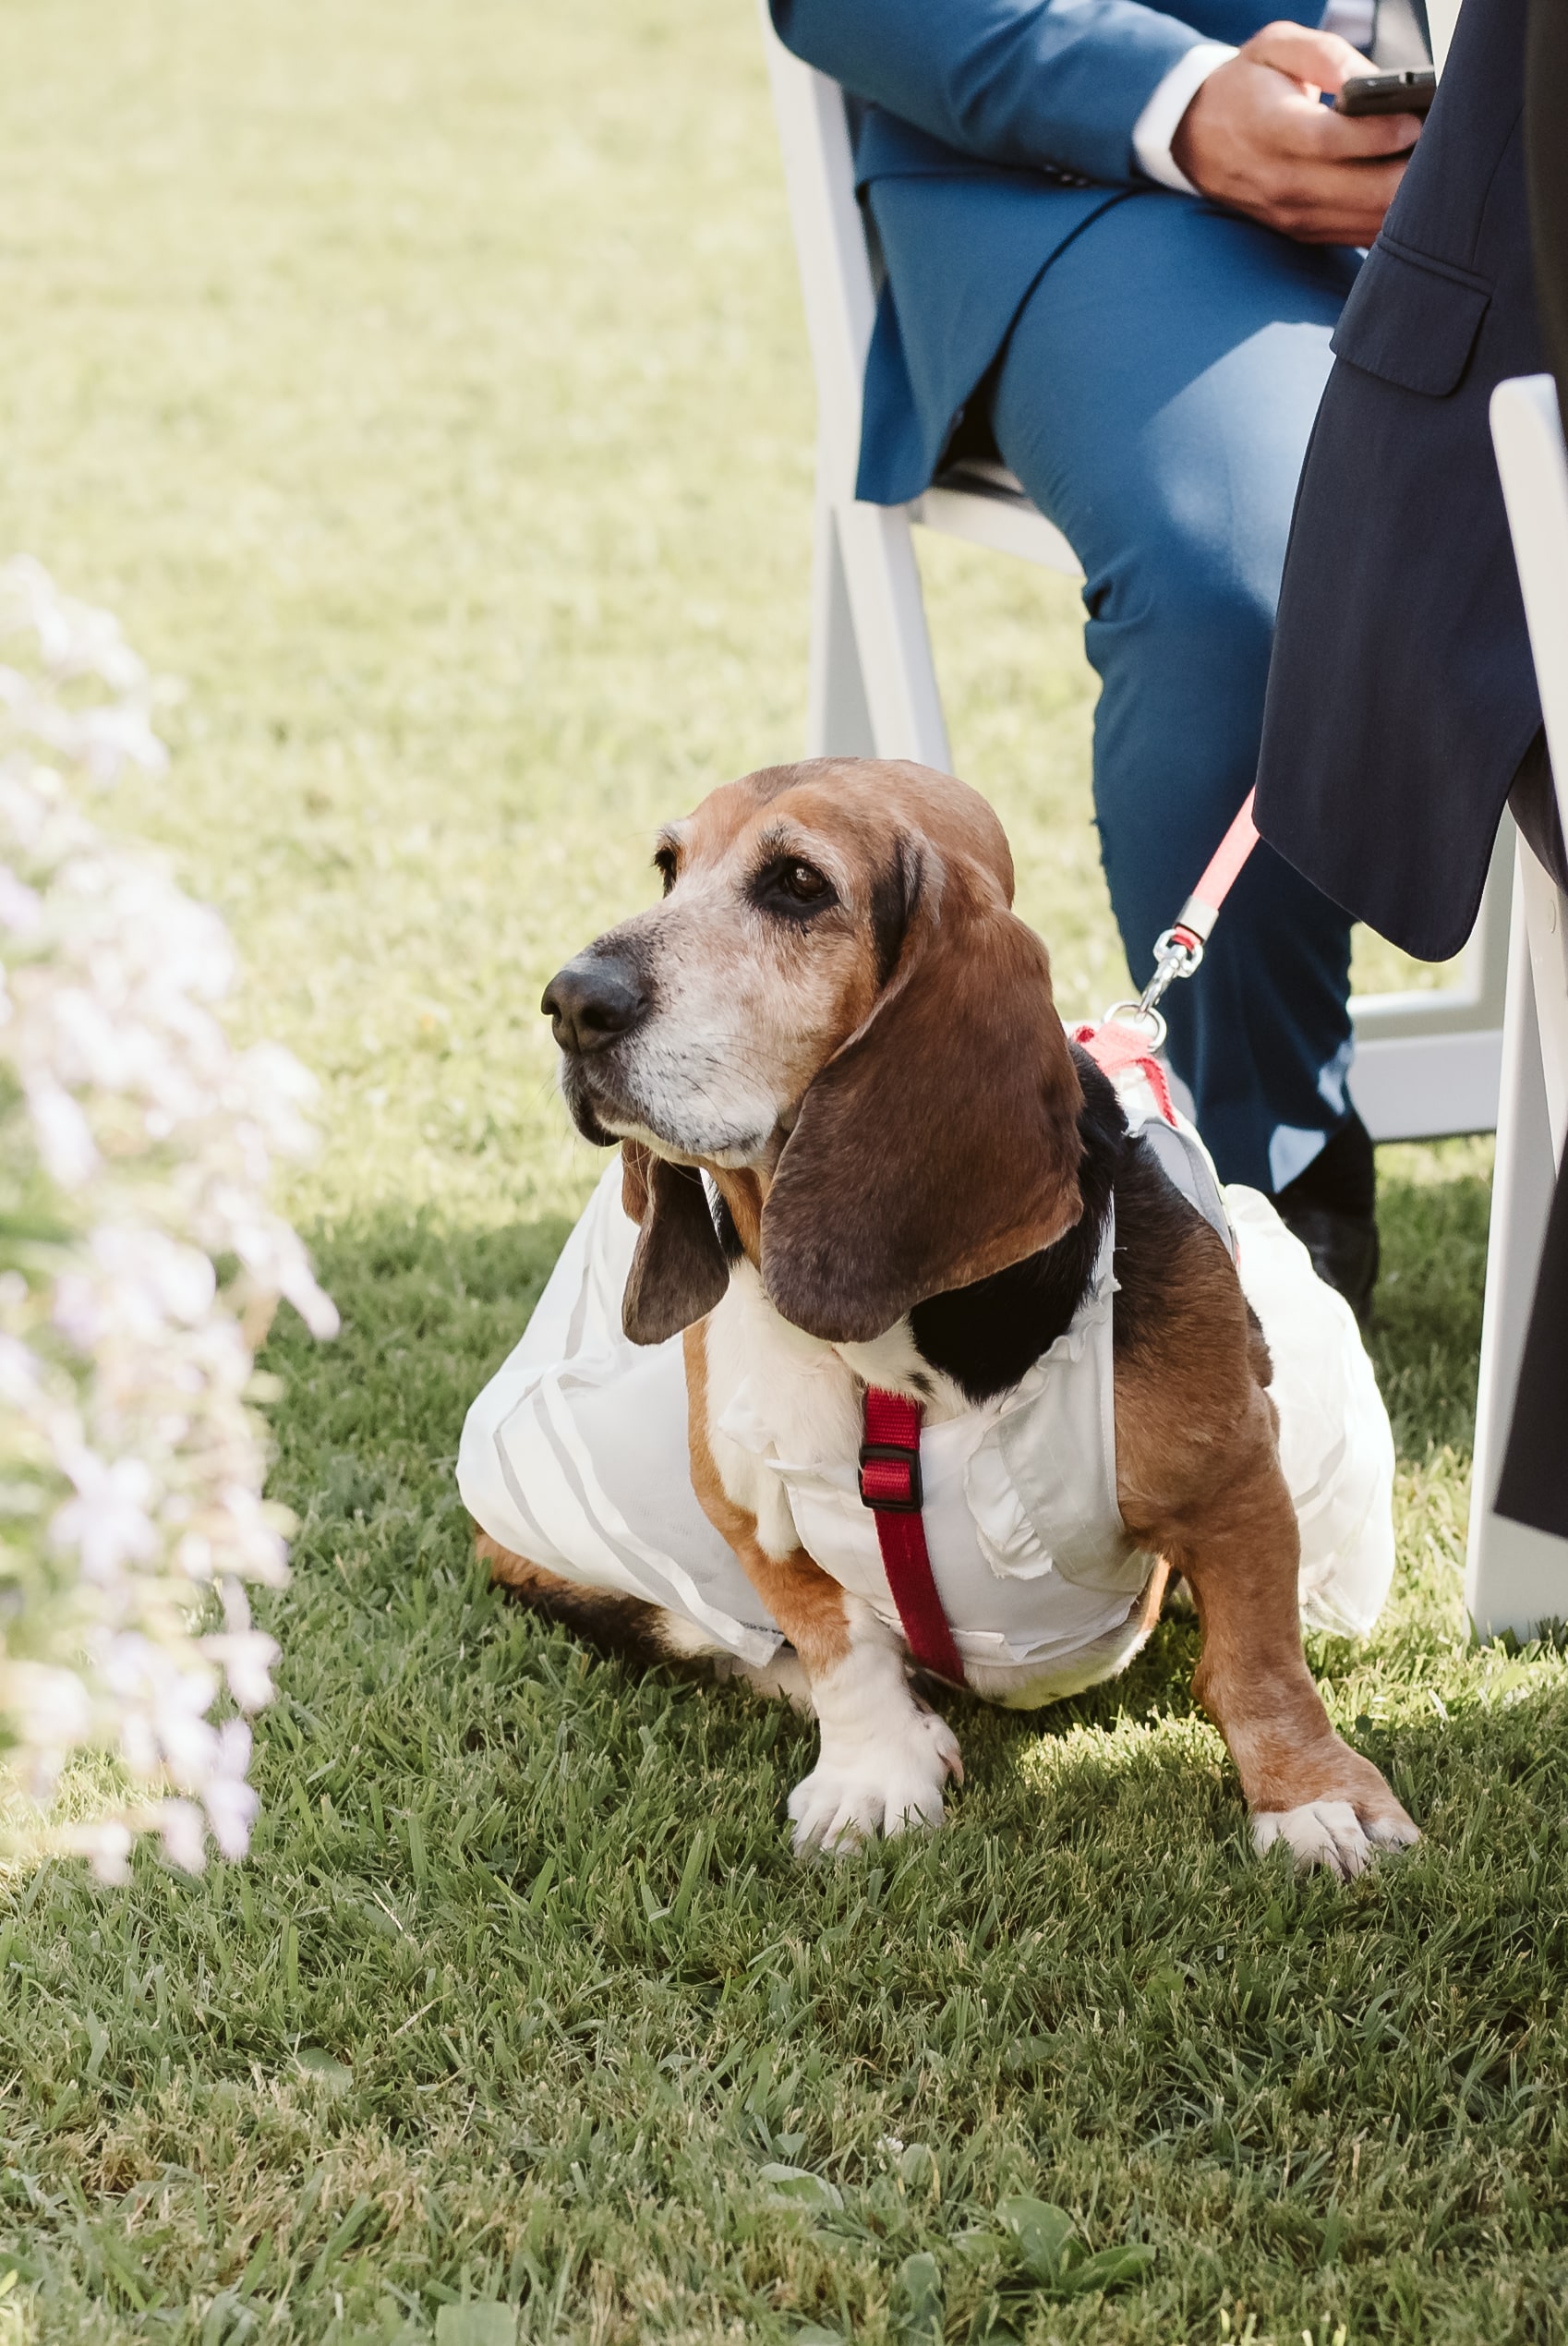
pixel 426 387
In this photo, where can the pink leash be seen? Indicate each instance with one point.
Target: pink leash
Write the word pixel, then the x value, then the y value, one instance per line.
pixel 1179 950
pixel 890 1484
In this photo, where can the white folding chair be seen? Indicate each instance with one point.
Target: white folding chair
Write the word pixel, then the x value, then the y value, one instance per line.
pixel 1427 1063
pixel 1516 1576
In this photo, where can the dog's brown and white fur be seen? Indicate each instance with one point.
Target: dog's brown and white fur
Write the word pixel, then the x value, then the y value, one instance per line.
pixel 836 1015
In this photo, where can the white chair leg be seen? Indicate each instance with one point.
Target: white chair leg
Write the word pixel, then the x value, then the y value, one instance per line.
pixel 882 579
pixel 1546 931
pixel 1514 1576
pixel 838 717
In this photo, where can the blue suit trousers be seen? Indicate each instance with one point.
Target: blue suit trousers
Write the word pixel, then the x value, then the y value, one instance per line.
pixel 1154 396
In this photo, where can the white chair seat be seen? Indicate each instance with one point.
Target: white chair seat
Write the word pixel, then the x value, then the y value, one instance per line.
pixel 984 504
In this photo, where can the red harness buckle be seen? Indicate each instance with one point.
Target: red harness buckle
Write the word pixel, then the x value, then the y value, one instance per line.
pixel 890 1482
pixel 891 1488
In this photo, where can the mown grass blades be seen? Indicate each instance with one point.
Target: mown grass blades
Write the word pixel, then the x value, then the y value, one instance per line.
pixel 524 1999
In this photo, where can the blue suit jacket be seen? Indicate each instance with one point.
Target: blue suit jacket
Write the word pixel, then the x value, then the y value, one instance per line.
pixel 988 134
pixel 1401 695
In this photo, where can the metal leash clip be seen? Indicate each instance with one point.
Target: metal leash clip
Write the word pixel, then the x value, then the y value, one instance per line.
pixel 1179 950
pixel 1177 954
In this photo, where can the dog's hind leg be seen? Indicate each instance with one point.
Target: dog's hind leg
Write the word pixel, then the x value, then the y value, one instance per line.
pixel 630 1629
pixel 781 1680
pixel 627 1627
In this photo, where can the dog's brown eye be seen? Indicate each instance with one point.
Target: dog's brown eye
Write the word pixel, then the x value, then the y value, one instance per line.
pixel 804 882
pixel 793 888
pixel 664 864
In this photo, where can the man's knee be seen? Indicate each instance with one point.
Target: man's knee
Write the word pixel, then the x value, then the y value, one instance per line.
pixel 1191 587
pixel 1182 650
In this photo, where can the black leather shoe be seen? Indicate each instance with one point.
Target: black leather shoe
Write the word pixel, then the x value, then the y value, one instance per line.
pixel 1343 1248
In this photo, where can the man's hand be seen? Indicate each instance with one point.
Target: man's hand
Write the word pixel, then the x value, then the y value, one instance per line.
pixel 1256 137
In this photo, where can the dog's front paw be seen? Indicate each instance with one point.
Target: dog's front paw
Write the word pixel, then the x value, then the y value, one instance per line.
pixel 1332 1833
pixel 884 1786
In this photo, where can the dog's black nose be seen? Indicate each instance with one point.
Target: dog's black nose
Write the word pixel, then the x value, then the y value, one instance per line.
pixel 593 1000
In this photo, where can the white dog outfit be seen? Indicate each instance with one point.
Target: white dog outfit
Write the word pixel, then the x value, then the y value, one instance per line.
pixel 576 1457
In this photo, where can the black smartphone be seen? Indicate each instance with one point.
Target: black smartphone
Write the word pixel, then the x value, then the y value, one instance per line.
pixel 1409 92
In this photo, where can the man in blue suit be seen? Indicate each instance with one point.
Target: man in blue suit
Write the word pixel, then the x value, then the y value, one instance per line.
pixel 1116 243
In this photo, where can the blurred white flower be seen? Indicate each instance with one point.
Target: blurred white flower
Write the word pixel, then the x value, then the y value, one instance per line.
pixel 136 1148
pixel 50 1712
pixel 107 1842
pixel 19 1373
pixel 248 1666
pixel 230 1802
pixel 185 1834
pixel 21 909
pixel 107 1523
pixel 62 1132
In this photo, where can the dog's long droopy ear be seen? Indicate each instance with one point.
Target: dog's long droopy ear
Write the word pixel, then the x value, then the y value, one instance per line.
pixel 678 1271
pixel 635 1159
pixel 940 1143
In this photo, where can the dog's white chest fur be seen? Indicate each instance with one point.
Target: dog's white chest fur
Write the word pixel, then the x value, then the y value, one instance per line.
pixel 809 1395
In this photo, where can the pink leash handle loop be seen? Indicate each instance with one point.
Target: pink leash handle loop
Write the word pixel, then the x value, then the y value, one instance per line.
pixel 1202 909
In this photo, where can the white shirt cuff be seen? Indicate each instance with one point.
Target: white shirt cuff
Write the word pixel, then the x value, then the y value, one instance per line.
pixel 1161 118
pixel 1354 20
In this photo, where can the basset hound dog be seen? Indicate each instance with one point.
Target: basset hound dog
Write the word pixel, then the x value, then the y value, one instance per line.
pixel 862 1151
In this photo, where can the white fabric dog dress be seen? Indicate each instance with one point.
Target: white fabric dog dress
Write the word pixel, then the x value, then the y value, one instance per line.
pixel 576 1457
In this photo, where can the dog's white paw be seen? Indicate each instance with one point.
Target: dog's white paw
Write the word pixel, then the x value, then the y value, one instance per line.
pixel 884 1787
pixel 1329 1833
pixel 1398 1832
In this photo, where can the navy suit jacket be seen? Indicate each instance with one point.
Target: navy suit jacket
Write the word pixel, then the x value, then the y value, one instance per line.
pixel 1402 697
pixel 988 133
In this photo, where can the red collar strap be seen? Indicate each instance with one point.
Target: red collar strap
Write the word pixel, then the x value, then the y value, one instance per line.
pixel 890 1487
pixel 1116 1047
